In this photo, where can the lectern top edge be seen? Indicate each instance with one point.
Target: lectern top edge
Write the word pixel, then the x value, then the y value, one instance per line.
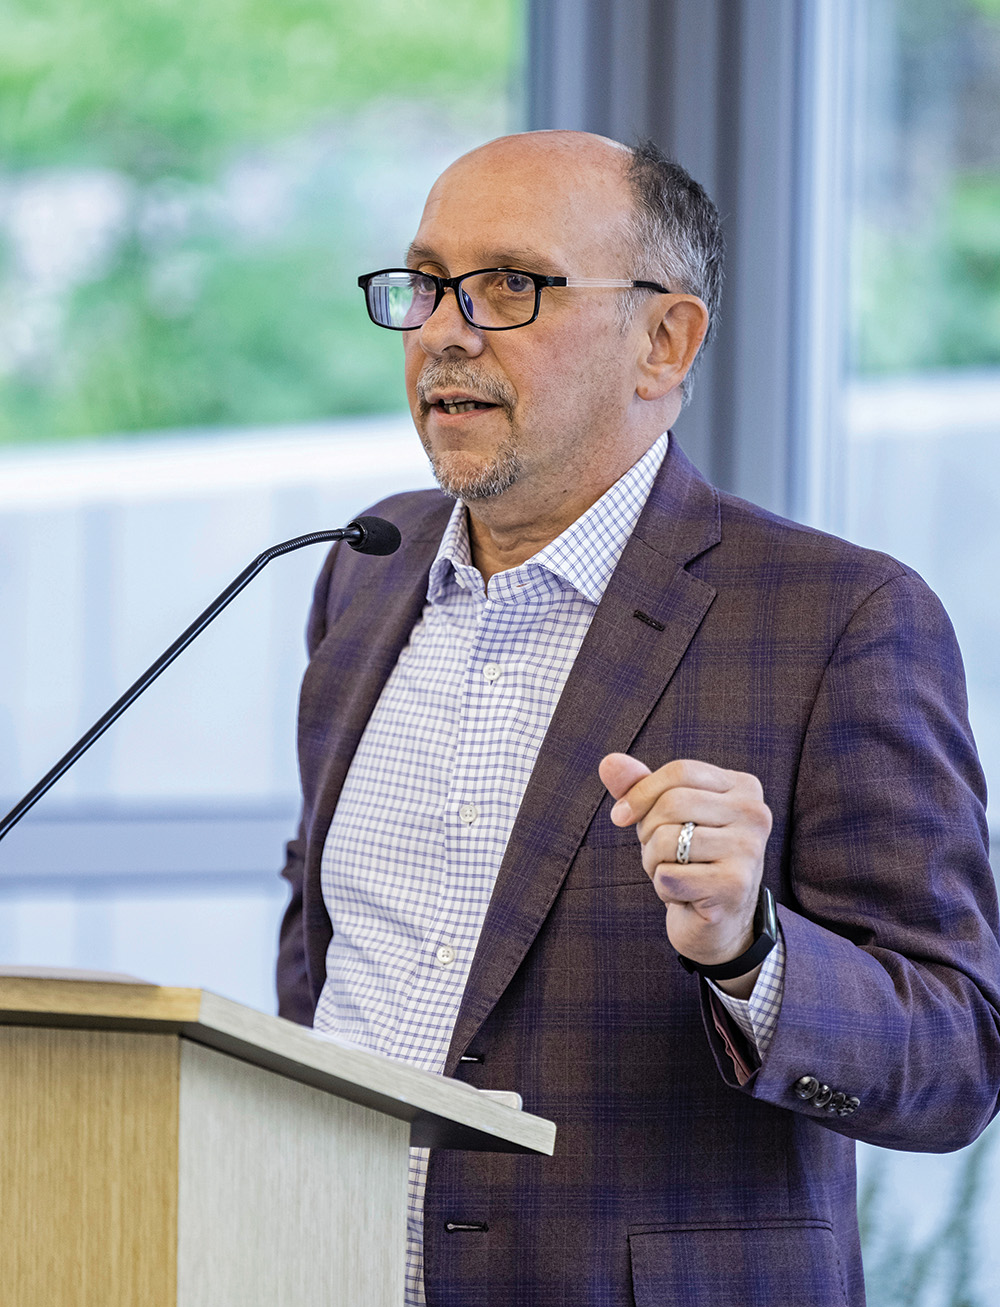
pixel 98 998
pixel 442 1113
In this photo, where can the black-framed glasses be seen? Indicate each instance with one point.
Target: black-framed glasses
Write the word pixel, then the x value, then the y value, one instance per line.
pixel 491 299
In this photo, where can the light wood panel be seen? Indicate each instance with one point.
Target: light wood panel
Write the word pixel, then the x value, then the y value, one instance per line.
pixel 286 1152
pixel 98 999
pixel 88 1149
pixel 443 1113
pixel 287 1195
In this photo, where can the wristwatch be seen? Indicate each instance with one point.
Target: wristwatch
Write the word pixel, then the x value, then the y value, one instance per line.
pixel 765 929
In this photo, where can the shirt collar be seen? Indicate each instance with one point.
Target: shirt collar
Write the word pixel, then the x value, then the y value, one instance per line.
pixel 587 552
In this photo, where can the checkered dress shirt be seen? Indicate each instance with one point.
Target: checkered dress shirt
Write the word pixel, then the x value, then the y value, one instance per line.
pixel 420 831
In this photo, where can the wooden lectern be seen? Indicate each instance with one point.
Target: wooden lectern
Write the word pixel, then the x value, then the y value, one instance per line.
pixel 170 1148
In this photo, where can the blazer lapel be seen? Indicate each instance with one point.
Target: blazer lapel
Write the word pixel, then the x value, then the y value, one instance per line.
pixel 621 671
pixel 342 685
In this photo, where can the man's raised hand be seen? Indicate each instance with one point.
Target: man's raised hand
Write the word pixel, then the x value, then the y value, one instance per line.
pixel 710 899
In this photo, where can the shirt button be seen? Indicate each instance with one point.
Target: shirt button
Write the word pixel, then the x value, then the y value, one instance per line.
pixel 468 813
pixel 445 955
pixel 491 672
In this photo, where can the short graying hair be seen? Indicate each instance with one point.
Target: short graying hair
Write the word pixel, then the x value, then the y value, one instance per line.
pixel 673 234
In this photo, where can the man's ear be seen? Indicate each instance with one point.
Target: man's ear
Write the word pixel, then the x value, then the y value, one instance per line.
pixel 670 345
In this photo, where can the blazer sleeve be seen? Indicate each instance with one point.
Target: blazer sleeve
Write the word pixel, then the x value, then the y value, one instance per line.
pixel 296 1000
pixel 892 978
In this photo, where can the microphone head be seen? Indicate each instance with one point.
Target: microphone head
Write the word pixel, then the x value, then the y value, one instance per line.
pixel 377 536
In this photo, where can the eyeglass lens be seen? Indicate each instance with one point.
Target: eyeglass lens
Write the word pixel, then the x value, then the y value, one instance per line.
pixel 500 298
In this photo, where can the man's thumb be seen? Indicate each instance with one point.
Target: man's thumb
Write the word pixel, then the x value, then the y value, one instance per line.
pixel 619 773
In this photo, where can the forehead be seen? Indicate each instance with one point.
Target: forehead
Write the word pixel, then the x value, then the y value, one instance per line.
pixel 542 209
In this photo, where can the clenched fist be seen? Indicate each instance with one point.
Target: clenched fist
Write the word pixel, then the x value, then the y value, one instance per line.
pixel 712 898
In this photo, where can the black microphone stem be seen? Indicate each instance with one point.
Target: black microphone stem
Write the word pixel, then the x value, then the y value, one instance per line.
pixel 354 533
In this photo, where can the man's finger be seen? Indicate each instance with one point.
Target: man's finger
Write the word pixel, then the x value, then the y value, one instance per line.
pixel 619 773
pixel 685 774
pixel 708 844
pixel 646 787
pixel 675 807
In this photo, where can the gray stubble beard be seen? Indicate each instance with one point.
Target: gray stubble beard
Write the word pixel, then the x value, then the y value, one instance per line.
pixel 505 468
pixel 499 474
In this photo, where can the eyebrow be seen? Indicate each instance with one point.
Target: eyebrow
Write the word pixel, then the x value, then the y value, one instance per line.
pixel 521 256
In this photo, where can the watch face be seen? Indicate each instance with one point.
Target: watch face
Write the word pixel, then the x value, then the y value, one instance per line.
pixel 765 920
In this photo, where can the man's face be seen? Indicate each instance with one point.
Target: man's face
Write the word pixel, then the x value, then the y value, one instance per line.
pixel 543 407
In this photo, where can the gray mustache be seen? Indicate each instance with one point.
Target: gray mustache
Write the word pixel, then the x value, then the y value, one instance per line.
pixel 447 376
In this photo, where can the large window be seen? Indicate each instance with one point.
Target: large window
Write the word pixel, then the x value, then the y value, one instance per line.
pixel 923 412
pixel 188 193
pixel 921 456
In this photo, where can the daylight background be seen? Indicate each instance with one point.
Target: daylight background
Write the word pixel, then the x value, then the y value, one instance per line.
pixel 187 375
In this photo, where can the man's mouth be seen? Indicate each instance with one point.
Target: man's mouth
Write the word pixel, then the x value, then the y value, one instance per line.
pixel 460 405
pixel 452 390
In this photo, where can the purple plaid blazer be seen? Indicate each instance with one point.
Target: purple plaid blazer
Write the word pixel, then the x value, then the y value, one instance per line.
pixel 832 674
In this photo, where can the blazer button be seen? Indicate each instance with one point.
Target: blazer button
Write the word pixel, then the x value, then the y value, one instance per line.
pixel 851 1105
pixel 837 1102
pixel 806 1087
pixel 823 1097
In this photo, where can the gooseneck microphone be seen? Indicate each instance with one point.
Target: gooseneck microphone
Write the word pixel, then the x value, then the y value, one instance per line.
pixel 368 535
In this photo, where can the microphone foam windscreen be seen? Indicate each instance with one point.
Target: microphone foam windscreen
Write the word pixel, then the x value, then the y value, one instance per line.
pixel 379 536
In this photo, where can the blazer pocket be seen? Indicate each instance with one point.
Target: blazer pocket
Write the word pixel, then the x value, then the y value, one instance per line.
pixel 777 1263
pixel 603 866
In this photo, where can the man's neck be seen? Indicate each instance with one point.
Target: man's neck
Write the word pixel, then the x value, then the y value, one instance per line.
pixel 499 547
pixel 506 530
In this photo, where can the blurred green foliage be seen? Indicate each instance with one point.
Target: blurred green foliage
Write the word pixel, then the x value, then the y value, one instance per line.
pixel 931 298
pixel 926 256
pixel 158 87
pixel 184 316
pixel 265 340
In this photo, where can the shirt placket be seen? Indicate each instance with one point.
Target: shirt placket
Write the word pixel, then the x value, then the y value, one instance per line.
pixel 469 838
pixel 477 818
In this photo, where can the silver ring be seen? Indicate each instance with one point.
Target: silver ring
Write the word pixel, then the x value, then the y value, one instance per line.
pixel 684 843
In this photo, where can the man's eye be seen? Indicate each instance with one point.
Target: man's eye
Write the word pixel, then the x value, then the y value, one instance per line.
pixel 518 283
pixel 421 285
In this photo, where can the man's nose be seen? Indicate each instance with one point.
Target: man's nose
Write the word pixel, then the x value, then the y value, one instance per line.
pixel 447 328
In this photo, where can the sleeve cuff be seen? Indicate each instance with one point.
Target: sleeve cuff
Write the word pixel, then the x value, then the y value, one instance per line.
pixel 757 1016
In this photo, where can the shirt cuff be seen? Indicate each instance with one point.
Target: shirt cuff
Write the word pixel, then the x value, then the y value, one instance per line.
pixel 757 1016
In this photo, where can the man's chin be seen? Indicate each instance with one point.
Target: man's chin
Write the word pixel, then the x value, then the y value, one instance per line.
pixel 474 484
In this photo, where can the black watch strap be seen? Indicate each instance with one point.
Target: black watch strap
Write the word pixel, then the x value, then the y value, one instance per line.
pixel 765 926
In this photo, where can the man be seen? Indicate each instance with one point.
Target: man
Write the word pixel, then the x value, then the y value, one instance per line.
pixel 590 685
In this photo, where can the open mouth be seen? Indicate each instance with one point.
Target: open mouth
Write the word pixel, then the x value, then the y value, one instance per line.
pixel 460 405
